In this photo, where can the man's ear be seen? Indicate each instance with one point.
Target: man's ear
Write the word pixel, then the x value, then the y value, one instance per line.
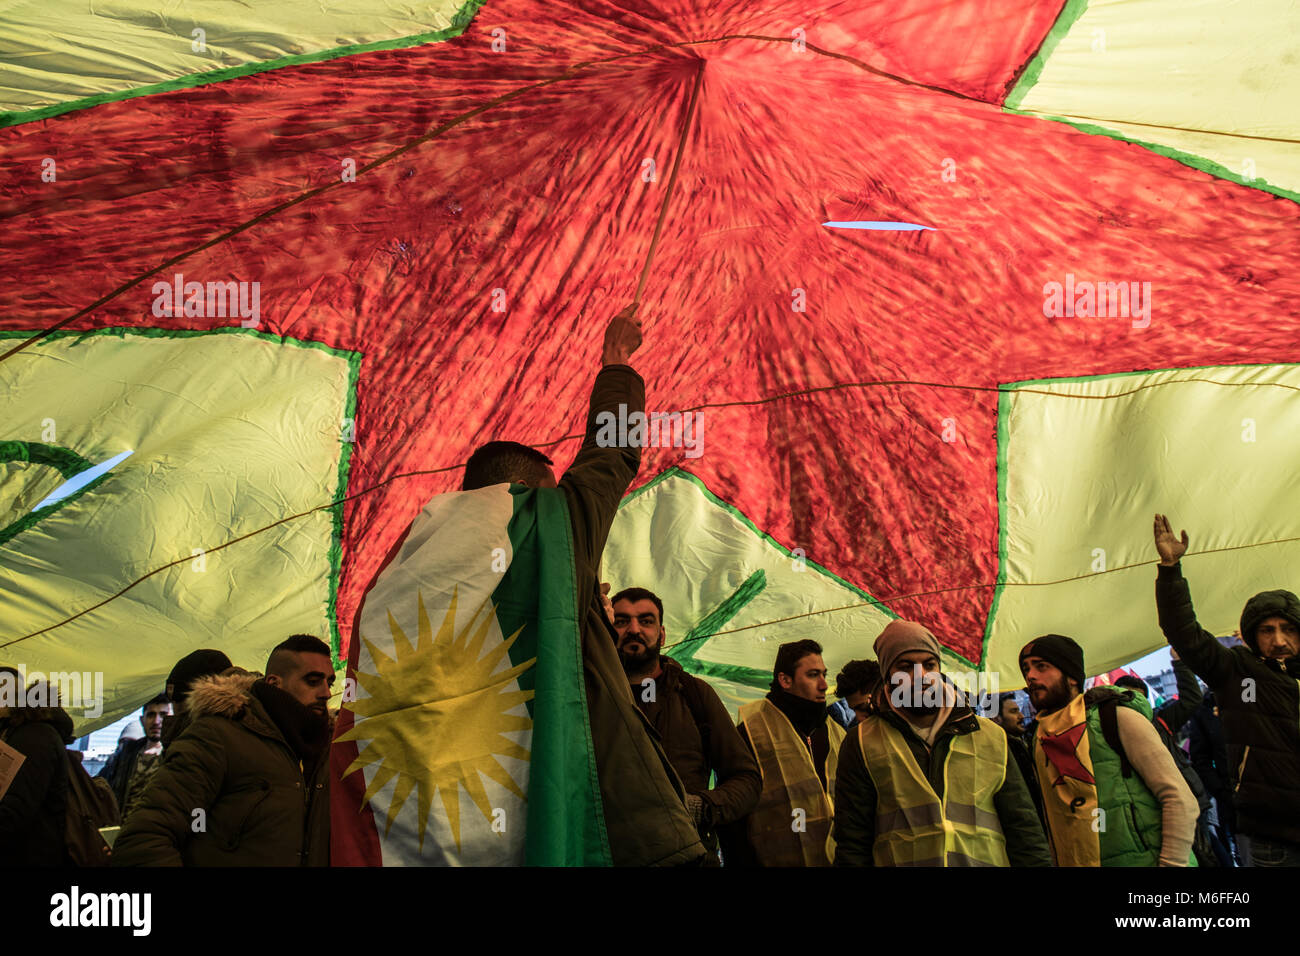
pixel 785 680
pixel 272 680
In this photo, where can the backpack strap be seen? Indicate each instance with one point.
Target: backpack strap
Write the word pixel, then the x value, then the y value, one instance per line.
pixel 1107 710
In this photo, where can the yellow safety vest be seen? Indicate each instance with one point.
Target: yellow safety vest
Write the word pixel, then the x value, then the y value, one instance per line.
pixel 915 828
pixel 779 835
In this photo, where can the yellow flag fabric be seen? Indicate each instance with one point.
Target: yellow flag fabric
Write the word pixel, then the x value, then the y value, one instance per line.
pixel 228 432
pixel 59 53
pixel 1212 82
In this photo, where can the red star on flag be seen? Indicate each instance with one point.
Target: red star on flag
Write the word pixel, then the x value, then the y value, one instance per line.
pixel 1062 750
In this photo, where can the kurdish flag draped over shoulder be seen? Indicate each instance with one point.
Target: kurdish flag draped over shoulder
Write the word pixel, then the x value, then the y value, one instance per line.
pixel 464 737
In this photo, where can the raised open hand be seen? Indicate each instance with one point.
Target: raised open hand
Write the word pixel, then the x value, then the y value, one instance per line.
pixel 1170 547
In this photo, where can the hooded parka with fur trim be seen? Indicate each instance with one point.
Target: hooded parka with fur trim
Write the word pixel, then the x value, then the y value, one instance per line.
pixel 231 791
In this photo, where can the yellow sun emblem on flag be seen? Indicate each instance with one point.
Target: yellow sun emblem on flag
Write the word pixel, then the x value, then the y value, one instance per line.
pixel 436 717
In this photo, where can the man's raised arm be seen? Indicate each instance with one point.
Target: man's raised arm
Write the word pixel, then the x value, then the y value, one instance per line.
pixel 1195 645
pixel 601 473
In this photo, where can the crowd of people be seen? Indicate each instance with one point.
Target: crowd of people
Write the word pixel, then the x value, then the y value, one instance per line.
pixel 234 765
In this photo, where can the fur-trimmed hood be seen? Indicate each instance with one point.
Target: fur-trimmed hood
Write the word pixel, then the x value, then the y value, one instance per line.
pixel 225 694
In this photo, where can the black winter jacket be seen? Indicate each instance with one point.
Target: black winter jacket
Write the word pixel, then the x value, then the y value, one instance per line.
pixel 231 791
pixel 698 746
pixel 33 812
pixel 1259 703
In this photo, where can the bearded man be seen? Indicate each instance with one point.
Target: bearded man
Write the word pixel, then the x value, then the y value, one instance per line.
pixel 923 781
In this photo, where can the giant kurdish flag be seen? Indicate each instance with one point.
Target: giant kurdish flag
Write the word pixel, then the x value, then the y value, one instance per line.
pixel 442 205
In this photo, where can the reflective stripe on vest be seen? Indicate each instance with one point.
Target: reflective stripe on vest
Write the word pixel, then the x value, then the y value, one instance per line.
pixel 778 835
pixel 912 827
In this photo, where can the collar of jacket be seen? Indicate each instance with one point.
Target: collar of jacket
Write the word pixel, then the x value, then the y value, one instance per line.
pixel 671 673
pixel 1286 665
pixel 806 715
pixel 961 720
pixel 230 695
pixel 305 732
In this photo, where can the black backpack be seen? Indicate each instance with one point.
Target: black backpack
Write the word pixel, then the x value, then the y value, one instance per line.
pixel 1110 731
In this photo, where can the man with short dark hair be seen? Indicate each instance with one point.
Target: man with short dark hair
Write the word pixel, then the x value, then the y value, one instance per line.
pixel 924 781
pixel 246 782
pixel 507 461
pixel 796 744
pixel 696 731
pixel 135 762
pixel 855 684
pixel 1112 794
pixel 644 806
pixel 1009 717
pixel 1011 720
pixel 1257 688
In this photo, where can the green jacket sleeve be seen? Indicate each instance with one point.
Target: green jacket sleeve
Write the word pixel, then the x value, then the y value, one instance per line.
pixel 1026 842
pixel 1207 658
pixel 189 779
pixel 854 828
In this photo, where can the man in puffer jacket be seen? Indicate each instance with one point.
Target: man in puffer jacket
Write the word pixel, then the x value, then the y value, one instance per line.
pixel 1257 687
pixel 246 782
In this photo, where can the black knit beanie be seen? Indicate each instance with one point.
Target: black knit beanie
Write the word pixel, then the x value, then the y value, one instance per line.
pixel 190 668
pixel 1059 651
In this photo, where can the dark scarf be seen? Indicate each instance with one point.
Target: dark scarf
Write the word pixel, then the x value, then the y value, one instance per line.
pixel 807 716
pixel 306 734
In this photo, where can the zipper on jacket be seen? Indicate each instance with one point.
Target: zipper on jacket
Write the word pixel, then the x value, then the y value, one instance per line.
pixel 1241 768
pixel 1132 817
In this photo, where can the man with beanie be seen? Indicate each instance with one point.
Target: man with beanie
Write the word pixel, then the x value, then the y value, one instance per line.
pixel 204 662
pixel 1256 687
pixel 1112 794
pixel 245 783
pixel 796 744
pixel 923 781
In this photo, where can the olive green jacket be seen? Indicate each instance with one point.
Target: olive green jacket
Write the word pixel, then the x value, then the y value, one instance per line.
pixel 230 791
pixel 643 799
